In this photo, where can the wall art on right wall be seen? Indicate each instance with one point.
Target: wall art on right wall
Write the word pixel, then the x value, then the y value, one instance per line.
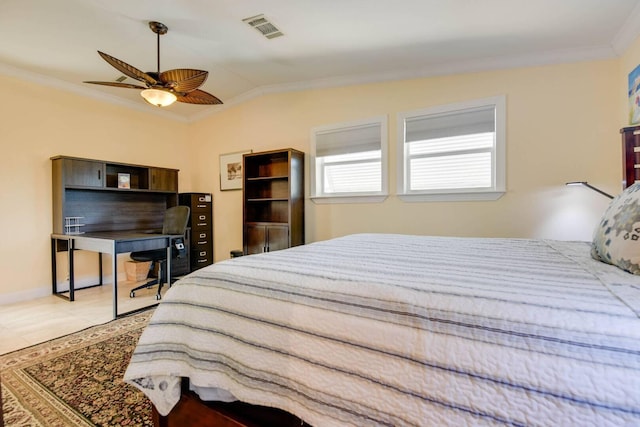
pixel 634 96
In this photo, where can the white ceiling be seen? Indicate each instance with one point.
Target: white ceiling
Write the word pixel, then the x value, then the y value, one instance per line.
pixel 325 42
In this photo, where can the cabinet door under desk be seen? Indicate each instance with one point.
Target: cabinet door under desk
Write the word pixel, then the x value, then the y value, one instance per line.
pixel 201 224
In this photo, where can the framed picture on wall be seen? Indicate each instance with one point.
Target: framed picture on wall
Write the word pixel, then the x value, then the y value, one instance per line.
pixel 231 170
pixel 634 96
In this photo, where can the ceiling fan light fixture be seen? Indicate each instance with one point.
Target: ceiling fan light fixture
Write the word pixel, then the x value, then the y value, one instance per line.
pixel 162 88
pixel 158 97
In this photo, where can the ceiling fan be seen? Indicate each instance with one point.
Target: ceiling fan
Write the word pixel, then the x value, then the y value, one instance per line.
pixel 163 88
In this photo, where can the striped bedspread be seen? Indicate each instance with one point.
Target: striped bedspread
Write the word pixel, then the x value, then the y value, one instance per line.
pixel 392 330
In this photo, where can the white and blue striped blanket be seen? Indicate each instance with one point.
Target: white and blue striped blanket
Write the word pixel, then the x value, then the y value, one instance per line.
pixel 391 330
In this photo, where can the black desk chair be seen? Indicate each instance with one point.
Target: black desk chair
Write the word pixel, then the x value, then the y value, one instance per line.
pixel 175 222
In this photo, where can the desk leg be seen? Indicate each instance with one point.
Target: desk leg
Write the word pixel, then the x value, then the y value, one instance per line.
pixel 71 274
pixel 168 274
pixel 169 254
pixel 100 267
pixel 54 268
pixel 114 269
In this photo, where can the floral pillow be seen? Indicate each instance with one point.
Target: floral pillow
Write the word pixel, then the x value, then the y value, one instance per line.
pixel 617 238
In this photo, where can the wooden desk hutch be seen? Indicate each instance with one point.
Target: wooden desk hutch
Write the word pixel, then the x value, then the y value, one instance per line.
pixel 95 192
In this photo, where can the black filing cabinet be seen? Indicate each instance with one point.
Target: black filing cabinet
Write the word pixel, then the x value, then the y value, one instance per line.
pixel 201 225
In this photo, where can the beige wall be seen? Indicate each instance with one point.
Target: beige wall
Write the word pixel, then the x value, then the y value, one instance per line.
pixel 563 124
pixel 38 123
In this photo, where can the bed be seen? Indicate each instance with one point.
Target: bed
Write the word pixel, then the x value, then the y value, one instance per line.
pixel 400 330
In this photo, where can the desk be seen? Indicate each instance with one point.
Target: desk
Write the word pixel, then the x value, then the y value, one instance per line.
pixel 112 243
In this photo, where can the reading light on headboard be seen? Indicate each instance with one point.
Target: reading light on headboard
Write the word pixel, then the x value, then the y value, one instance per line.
pixel 586 184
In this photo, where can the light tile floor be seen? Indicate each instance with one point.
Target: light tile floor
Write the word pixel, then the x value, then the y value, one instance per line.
pixel 31 322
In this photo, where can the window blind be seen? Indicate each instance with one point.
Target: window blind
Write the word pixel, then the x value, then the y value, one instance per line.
pixel 466 122
pixel 352 177
pixel 348 140
pixel 450 172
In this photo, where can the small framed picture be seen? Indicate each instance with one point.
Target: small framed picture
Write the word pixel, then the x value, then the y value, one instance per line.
pixel 231 171
pixel 124 180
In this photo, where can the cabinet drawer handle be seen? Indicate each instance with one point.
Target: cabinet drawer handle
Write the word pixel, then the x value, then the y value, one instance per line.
pixel 201 206
pixel 201 199
pixel 202 223
pixel 203 253
pixel 202 217
pixel 202 242
pixel 203 235
pixel 203 260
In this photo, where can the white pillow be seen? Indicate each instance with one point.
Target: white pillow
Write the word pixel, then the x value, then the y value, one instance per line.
pixel 616 239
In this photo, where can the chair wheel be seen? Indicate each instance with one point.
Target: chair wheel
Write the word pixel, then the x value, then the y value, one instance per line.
pixel 158 297
pixel 132 294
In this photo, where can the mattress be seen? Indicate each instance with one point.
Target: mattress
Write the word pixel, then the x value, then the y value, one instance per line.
pixel 399 330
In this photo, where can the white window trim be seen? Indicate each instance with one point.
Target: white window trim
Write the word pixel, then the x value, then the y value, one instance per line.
pixel 325 200
pixel 369 197
pixel 499 166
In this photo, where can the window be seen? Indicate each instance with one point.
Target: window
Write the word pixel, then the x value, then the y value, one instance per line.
pixel 349 162
pixel 453 152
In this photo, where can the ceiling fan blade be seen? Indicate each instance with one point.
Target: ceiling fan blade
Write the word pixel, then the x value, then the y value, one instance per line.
pixel 198 97
pixel 128 70
pixel 117 84
pixel 183 79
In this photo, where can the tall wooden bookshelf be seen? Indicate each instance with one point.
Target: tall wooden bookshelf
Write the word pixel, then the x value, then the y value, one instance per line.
pixel 273 200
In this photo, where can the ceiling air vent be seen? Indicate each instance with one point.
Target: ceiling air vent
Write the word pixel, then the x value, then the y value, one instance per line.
pixel 262 24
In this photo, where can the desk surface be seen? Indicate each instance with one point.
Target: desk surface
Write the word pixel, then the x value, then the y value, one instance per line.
pixel 112 235
pixel 124 241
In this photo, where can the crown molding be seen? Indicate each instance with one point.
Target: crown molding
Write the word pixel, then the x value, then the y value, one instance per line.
pixel 433 70
pixel 628 33
pixel 85 91
pixel 449 68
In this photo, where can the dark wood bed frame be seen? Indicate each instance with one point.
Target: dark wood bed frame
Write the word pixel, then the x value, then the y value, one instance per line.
pixel 191 411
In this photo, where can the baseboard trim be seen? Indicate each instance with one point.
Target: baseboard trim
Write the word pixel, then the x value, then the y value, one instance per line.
pixel 41 292
pixel 20 296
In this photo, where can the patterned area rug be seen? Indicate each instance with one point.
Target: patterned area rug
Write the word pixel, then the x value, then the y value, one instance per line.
pixel 76 380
